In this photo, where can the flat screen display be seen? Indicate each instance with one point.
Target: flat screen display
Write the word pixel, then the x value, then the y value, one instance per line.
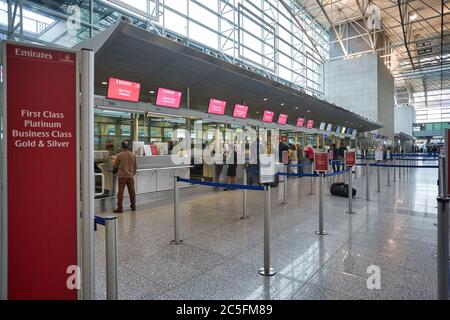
pixel 168 98
pixel 240 111
pixel 329 127
pixel 348 131
pixel 268 116
pixel 216 106
pixel 282 119
pixel 310 124
pixel 123 90
pixel 338 129
pixel 343 129
pixel 322 126
pixel 300 122
pixel 354 132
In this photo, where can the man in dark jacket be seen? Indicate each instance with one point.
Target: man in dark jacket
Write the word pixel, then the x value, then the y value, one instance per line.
pixel 341 152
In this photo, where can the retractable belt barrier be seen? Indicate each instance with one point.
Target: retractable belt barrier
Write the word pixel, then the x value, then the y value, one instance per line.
pixel 110 224
pixel 220 184
pixel 266 270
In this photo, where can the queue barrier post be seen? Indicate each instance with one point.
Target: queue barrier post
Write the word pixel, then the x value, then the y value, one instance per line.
pixel 285 202
pixel 321 231
pixel 111 258
pixel 311 192
pixel 389 176
pixel 367 182
pixel 395 171
pixel 267 270
pixel 442 234
pixel 176 212
pixel 350 193
pixel 244 195
pixel 378 180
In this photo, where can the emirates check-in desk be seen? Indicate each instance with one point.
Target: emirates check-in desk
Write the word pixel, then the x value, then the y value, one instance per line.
pixel 154 180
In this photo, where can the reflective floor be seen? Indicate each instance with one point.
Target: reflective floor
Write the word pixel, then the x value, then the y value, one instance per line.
pixel 221 254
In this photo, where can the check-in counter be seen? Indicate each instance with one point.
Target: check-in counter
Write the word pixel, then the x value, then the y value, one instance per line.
pixel 156 173
pixel 154 179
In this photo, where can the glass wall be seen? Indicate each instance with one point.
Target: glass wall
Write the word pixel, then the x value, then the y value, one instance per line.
pixel 262 35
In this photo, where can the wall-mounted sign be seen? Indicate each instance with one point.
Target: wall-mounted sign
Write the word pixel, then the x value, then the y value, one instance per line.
pixel 168 98
pixel 310 124
pixel 123 90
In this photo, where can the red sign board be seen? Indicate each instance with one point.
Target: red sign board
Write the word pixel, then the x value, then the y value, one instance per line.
pixel 240 111
pixel 310 124
pixel 282 119
pixel 216 106
pixel 42 166
pixel 321 163
pixel 350 158
pixel 123 90
pixel 268 116
pixel 168 98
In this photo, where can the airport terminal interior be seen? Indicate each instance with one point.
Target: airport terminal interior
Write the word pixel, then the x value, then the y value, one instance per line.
pixel 224 149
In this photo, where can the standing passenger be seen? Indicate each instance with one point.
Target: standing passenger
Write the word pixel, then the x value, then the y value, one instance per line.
pixel 293 160
pixel 126 167
pixel 300 156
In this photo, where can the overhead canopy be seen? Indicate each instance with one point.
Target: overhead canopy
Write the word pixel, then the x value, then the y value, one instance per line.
pixel 128 52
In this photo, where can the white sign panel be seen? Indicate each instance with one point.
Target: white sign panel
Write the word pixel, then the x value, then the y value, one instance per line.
pixel 267 168
pixel 379 155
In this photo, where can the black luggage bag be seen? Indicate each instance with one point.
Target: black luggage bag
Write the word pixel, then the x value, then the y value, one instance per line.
pixel 341 190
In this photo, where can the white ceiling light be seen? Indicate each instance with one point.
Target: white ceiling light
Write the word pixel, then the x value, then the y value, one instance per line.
pixel 412 16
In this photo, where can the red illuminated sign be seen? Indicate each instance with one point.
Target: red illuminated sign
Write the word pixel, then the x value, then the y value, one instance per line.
pixel 240 111
pixel 216 106
pixel 350 158
pixel 123 90
pixel 41 107
pixel 310 124
pixel 268 116
pixel 282 119
pixel 300 122
pixel 321 163
pixel 168 98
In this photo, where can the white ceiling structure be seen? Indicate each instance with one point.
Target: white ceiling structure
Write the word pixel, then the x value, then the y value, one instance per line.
pixel 413 38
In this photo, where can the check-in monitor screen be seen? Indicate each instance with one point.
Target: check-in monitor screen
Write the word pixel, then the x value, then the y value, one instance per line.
pixel 123 90
pixel 338 129
pixel 168 98
pixel 310 124
pixel 268 116
pixel 216 106
pixel 322 126
pixel 282 119
pixel 240 111
pixel 329 127
pixel 343 129
pixel 300 122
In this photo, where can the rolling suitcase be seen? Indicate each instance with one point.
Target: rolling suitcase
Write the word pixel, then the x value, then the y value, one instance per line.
pixel 341 190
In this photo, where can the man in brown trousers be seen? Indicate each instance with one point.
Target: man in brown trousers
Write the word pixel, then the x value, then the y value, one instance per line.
pixel 126 168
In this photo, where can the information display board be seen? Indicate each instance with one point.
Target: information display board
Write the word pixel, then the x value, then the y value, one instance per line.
pixel 123 90
pixel 42 170
pixel 268 116
pixel 282 119
pixel 321 163
pixel 300 122
pixel 216 106
pixel 168 98
pixel 310 124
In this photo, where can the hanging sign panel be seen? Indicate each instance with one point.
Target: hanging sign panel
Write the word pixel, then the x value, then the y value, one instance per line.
pixel 41 171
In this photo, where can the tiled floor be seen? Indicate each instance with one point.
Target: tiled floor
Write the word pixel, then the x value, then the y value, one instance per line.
pixel 221 254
